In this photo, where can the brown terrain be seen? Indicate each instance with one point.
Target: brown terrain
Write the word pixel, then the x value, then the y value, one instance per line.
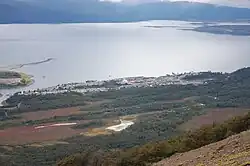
pixel 38 115
pixel 50 132
pixel 213 116
pixel 46 114
pixel 30 134
pixel 233 151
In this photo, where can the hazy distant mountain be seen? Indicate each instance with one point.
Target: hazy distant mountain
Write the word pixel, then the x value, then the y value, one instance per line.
pixel 135 2
pixel 56 11
pixel 234 3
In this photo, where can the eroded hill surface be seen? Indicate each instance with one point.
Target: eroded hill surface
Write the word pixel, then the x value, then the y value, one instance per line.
pixel 233 151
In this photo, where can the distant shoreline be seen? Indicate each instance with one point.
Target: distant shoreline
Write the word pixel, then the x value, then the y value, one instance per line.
pixel 18 66
pixel 212 28
pixel 234 30
pixel 10 79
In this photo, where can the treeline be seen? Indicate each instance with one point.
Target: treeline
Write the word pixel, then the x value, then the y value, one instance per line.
pixel 156 151
pixel 205 75
pixel 30 103
pixel 226 90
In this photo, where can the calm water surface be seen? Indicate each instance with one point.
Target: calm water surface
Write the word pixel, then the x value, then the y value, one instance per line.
pixel 98 51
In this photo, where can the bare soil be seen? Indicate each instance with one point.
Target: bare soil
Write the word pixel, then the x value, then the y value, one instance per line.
pixel 233 151
pixel 29 134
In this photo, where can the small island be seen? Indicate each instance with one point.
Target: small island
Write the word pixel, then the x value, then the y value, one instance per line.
pixel 13 79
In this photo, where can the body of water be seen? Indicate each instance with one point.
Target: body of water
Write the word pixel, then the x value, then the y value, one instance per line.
pixel 103 51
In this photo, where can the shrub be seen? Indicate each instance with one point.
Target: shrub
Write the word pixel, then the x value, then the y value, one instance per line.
pixel 156 151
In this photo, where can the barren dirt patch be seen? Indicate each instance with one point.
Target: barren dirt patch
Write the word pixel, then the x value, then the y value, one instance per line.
pixel 216 115
pixel 31 134
pixel 233 151
pixel 96 131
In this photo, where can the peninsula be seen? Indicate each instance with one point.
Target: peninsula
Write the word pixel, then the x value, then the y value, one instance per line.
pixel 12 79
pixel 18 66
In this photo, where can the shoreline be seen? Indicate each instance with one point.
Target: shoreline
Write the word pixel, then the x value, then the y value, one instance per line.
pixel 126 82
pixel 18 66
pixel 94 86
pixel 129 21
pixel 22 80
pixel 25 80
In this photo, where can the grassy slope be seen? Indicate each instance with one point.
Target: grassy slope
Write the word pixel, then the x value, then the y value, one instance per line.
pixel 233 151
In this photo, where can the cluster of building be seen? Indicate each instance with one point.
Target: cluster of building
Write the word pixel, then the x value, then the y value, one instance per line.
pixel 115 84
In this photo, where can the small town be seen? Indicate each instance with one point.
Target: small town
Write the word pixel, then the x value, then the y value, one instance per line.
pixel 92 86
